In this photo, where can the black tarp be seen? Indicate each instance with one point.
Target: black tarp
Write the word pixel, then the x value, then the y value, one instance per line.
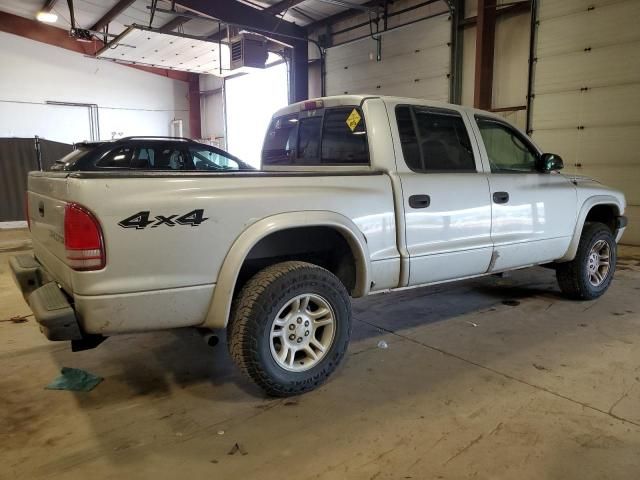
pixel 18 156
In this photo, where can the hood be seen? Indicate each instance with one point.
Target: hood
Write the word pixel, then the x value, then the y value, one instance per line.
pixel 581 179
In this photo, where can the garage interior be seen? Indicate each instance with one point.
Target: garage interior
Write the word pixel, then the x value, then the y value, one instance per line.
pixel 494 377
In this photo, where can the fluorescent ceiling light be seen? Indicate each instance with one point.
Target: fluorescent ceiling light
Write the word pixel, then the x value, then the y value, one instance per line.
pixel 47 17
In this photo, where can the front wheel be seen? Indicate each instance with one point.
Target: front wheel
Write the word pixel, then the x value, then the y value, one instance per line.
pixel 590 273
pixel 290 327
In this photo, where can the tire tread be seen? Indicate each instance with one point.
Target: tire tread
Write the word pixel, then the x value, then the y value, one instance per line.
pixel 243 339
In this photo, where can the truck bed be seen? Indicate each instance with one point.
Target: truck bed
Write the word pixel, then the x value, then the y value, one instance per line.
pixel 167 233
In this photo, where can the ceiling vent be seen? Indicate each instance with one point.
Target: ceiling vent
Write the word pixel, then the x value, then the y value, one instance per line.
pixel 248 50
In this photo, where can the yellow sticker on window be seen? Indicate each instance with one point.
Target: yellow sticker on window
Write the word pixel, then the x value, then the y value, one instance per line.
pixel 353 119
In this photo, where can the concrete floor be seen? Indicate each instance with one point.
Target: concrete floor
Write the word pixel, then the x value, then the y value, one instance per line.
pixel 469 387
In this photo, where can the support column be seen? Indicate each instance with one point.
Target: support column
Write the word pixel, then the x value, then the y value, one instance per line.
pixel 195 129
pixel 299 77
pixel 485 42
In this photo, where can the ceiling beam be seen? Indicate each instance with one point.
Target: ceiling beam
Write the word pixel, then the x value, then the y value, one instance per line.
pixel 259 21
pixel 116 10
pixel 281 6
pixel 233 12
pixel 48 5
pixel 344 15
pixel 512 9
pixel 40 32
pixel 172 24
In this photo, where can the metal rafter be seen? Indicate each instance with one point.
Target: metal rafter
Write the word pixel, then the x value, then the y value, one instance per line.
pixel 281 6
pixel 233 12
pixel 116 10
pixel 174 23
pixel 48 6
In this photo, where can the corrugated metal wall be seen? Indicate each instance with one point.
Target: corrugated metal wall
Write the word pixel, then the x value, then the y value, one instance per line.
pixel 587 93
pixel 17 158
pixel 415 62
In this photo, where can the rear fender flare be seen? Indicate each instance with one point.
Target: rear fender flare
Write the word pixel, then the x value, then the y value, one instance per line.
pixel 218 314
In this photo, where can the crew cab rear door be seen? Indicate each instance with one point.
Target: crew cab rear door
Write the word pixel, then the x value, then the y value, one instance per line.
pixel 445 193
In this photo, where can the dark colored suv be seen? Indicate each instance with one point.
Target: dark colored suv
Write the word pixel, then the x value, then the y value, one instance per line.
pixel 149 153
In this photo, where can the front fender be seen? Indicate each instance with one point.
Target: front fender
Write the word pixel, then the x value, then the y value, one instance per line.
pixel 218 314
pixel 582 215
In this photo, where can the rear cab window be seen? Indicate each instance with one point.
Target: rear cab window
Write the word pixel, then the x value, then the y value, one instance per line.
pixel 323 136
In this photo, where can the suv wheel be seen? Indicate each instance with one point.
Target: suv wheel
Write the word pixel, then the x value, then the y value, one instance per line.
pixel 290 327
pixel 590 273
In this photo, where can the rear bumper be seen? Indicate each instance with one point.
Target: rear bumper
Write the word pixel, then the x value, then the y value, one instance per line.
pixel 50 305
pixel 85 319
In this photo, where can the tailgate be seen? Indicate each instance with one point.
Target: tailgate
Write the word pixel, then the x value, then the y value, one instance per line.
pixel 47 197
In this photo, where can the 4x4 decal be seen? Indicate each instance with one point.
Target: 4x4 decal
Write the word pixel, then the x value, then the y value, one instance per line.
pixel 141 220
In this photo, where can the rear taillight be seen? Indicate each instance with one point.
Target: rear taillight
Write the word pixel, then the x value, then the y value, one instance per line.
pixel 83 239
pixel 26 209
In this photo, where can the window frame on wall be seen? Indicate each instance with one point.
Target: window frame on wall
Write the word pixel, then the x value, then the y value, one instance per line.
pixel 529 146
pixel 293 154
pixel 422 166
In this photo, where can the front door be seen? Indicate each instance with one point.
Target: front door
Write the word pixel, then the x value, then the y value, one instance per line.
pixel 445 195
pixel 533 213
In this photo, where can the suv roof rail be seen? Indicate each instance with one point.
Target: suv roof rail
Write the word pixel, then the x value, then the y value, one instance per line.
pixel 135 137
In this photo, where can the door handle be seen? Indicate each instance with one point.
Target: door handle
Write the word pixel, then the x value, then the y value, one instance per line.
pixel 419 201
pixel 41 208
pixel 500 197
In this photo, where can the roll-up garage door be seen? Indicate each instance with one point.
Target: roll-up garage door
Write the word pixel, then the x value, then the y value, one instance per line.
pixel 586 103
pixel 415 62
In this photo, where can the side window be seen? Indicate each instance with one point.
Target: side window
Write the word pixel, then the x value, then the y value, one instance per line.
pixel 506 148
pixel 344 137
pixel 169 157
pixel 143 157
pixel 205 159
pixel 118 158
pixel 434 140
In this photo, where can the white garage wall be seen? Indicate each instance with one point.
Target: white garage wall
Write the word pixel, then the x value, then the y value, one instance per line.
pixel 587 93
pixel 415 63
pixel 130 101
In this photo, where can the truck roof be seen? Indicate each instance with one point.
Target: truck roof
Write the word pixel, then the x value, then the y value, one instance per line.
pixel 338 100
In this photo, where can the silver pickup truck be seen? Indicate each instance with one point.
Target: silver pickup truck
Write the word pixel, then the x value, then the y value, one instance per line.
pixel 356 195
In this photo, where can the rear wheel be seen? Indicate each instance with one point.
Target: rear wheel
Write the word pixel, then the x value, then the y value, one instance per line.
pixel 290 327
pixel 590 273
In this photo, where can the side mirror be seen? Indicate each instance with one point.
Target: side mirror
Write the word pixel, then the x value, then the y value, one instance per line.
pixel 550 162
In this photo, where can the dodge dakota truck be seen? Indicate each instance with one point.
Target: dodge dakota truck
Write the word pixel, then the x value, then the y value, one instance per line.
pixel 356 195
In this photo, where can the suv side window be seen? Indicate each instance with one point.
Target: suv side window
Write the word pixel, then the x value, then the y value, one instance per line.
pixel 117 158
pixel 434 140
pixel 144 157
pixel 507 150
pixel 159 156
pixel 208 159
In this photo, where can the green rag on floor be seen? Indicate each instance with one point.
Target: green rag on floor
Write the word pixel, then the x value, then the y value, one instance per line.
pixel 75 380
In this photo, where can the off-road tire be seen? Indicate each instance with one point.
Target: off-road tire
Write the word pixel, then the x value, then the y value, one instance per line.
pixel 253 312
pixel 573 276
